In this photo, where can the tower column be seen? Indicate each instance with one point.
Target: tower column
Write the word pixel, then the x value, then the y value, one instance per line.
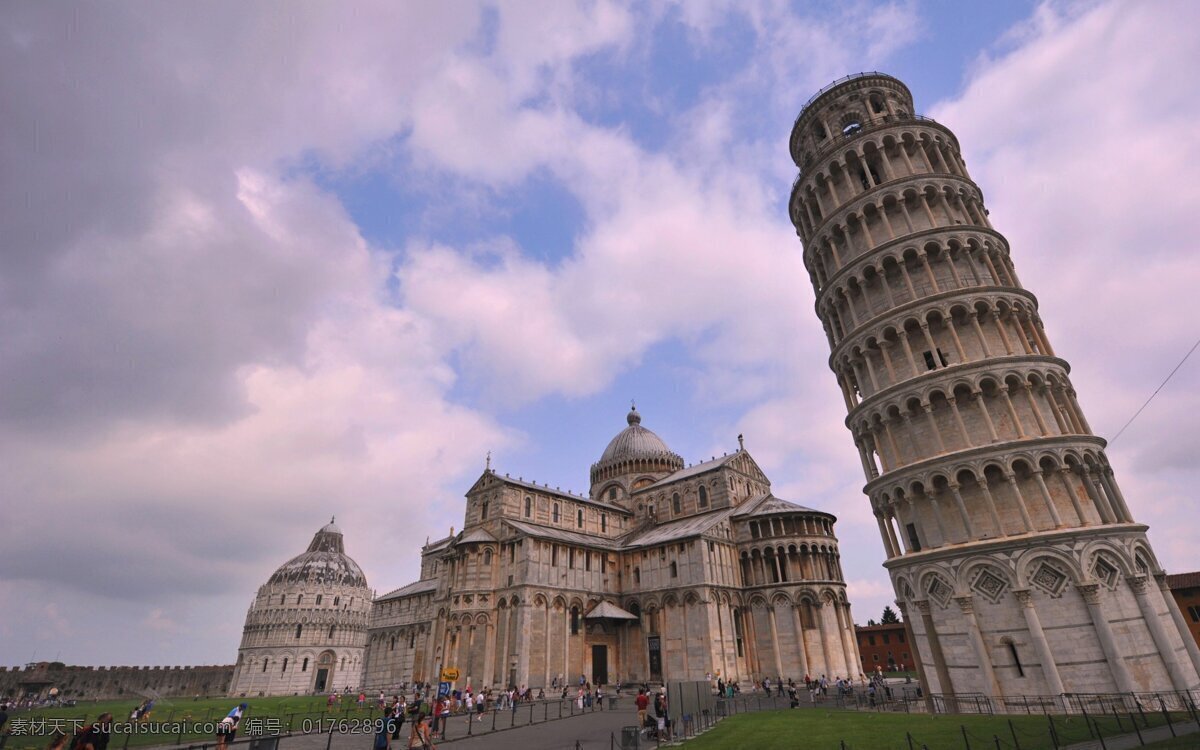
pixel 1181 625
pixel 1116 663
pixel 967 605
pixel 1038 636
pixel 1150 614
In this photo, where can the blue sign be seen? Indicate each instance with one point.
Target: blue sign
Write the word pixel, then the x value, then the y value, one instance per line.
pixel 443 689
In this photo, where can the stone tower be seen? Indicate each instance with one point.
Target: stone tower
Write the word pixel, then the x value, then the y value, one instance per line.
pixel 306 629
pixel 1013 554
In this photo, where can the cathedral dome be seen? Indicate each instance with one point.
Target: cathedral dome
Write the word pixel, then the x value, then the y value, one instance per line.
pixel 635 450
pixel 634 442
pixel 324 562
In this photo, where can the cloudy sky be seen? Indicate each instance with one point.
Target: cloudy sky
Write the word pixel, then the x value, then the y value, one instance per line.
pixel 265 263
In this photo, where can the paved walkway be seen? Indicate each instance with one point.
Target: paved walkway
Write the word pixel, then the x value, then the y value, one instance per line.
pixel 1126 741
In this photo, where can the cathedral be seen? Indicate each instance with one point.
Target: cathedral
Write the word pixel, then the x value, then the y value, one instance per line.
pixel 662 572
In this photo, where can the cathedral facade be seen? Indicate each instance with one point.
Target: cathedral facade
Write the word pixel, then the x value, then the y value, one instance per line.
pixel 662 572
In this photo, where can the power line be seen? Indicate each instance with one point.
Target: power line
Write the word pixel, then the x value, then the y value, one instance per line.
pixel 1156 390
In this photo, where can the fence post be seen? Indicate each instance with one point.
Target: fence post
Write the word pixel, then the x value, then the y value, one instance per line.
pixel 1166 715
pixel 1117 716
pixel 908 737
pixel 1087 720
pixel 1013 730
pixel 1099 735
pixel 966 741
pixel 1136 728
pixel 531 713
pixel 1053 734
pixel 495 710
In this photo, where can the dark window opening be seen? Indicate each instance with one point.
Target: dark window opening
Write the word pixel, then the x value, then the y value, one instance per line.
pixel 483 509
pixel 612 493
pixel 870 640
pixel 574 620
pixel 1012 649
pixel 703 497
pixel 579 518
pixel 528 506
pixel 587 561
pixel 674 570
pixel 603 523
pixel 930 363
pixel 331 629
pixel 285 661
pixel 304 665
pixel 637 575
pixel 675 505
pixel 913 540
pixel 555 514
pixel 554 554
pixel 299 628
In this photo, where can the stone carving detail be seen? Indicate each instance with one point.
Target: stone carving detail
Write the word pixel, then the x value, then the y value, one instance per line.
pixel 1137 583
pixel 1050 579
pixel 990 585
pixel 1105 572
pixel 1024 596
pixel 966 604
pixel 1090 593
pixel 940 590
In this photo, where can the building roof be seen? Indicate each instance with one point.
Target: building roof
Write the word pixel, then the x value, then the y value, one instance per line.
pixel 475 536
pixel 1184 580
pixel 417 587
pixel 555 492
pixel 682 528
pixel 439 544
pixel 562 535
pixel 768 505
pixel 606 609
pixel 324 562
pixel 690 471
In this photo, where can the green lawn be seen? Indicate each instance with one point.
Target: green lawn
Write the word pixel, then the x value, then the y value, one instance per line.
pixel 297 713
pixel 860 730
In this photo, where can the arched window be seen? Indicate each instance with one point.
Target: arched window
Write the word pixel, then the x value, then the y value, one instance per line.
pixel 528 506
pixel 637 575
pixel 603 523
pixel 487 557
pixel 877 105
pixel 285 661
pixel 298 630
pixel 304 665
pixel 300 599
pixel 412 639
pixel 574 620
pixel 674 570
pixel 703 496
pixel 612 493
pixel 331 627
pixel 483 509
pixel 819 131
pixel 318 599
pixel 675 505
pixel 579 518
pixel 265 665
pixel 554 515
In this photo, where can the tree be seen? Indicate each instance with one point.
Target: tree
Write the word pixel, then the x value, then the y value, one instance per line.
pixel 889 616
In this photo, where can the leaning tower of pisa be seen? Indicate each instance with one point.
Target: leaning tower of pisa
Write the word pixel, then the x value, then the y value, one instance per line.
pixel 1014 556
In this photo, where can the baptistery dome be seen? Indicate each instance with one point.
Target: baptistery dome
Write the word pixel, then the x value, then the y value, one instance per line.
pixel 325 562
pixel 306 630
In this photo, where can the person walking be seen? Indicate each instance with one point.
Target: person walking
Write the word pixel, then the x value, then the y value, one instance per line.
pixel 384 731
pixel 642 702
pixel 421 737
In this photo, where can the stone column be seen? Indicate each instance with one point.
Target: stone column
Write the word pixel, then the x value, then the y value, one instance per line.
pixel 935 648
pixel 1091 596
pixel 982 656
pixel 1040 644
pixel 1166 649
pixel 489 654
pixel 1180 624
pixel 775 639
pixel 1041 483
pixel 962 510
pixel 820 613
pixel 801 646
pixel 1020 498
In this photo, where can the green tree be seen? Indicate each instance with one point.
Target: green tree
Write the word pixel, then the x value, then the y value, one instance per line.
pixel 889 616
